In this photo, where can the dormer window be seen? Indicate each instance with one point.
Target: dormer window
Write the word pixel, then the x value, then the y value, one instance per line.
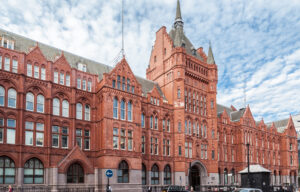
pixel 7 43
pixel 194 51
pixel 82 67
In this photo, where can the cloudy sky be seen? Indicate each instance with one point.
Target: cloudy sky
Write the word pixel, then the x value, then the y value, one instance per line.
pixel 256 43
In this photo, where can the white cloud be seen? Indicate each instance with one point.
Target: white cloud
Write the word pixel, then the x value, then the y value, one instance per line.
pixel 254 40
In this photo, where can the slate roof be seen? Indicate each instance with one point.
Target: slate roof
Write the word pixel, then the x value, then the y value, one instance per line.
pixel 178 38
pixel 234 115
pixel 220 109
pixel 280 125
pixel 24 44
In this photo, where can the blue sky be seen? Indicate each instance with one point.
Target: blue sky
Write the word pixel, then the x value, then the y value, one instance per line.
pixel 256 43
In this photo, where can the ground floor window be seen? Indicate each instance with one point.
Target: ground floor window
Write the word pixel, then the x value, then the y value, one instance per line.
pixel 154 175
pixel 75 174
pixel 123 172
pixel 7 170
pixel 167 175
pixel 33 171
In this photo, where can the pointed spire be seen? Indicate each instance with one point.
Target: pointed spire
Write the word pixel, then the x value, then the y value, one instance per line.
pixel 178 12
pixel 178 19
pixel 210 57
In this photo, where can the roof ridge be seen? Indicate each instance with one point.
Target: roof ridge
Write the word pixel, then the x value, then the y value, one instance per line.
pixel 52 47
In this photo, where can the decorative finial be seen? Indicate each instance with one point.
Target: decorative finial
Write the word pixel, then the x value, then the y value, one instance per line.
pixel 178 18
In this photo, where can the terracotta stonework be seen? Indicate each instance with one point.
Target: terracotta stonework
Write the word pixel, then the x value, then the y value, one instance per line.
pixel 189 130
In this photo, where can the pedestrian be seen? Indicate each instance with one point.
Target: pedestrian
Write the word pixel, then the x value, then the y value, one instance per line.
pixel 149 189
pixel 10 189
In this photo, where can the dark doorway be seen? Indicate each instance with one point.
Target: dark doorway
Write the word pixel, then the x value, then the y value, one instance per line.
pixel 195 178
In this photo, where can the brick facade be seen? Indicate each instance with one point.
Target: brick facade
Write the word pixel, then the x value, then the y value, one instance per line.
pixel 189 130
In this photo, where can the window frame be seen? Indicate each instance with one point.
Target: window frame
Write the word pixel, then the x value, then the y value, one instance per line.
pixel 36 162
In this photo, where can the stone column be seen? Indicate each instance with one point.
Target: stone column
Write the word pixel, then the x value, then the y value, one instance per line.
pixel 96 180
pixel 20 173
pixel 54 179
pixel 161 178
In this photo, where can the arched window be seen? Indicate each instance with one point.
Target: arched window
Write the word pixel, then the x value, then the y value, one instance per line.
pixel 87 112
pixel 40 104
pixel 56 106
pixel 115 115
pixel 33 171
pixel 123 109
pixel 144 175
pixel 2 95
pixel 12 98
pixel 154 175
pixel 123 172
pixel 233 176
pixel 65 108
pixel 75 174
pixel 7 170
pixel 225 176
pixel 78 111
pixel 167 175
pixel 129 115
pixel 29 101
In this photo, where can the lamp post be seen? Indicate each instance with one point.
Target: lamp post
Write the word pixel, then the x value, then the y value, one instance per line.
pixel 248 177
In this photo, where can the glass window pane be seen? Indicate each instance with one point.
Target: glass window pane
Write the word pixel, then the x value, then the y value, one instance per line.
pixel 1 135
pixel 7 64
pixel 2 95
pixel 28 138
pixel 40 127
pixel 55 129
pixel 9 180
pixel 55 77
pixel 64 142
pixel 28 171
pixel 12 98
pixel 68 80
pixel 55 140
pixel 64 130
pixel 11 135
pixel 29 70
pixel 43 73
pixel 39 139
pixel 29 125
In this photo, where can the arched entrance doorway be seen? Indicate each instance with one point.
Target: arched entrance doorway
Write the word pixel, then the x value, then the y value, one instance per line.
pixel 197 175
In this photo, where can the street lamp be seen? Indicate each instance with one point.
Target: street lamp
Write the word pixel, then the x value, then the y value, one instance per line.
pixel 248 177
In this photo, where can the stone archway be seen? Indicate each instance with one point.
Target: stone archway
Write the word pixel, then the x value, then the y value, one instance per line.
pixel 197 175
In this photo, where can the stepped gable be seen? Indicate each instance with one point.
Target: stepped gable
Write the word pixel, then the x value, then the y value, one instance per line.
pixel 25 45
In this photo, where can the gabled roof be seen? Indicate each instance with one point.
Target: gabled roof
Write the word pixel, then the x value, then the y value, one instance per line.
pixel 220 109
pixel 24 44
pixel 280 125
pixel 234 115
pixel 180 38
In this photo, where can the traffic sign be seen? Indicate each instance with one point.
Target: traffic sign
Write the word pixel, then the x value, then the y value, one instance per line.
pixel 109 173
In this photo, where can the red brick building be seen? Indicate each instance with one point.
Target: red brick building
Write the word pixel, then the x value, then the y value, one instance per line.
pixel 65 120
